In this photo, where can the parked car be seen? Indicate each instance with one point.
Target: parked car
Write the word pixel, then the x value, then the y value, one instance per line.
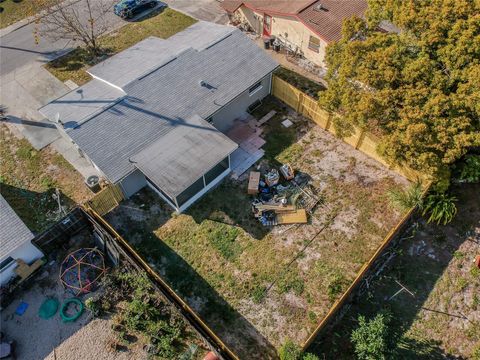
pixel 126 9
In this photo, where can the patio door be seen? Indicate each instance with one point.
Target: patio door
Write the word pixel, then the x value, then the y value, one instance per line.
pixel 267 25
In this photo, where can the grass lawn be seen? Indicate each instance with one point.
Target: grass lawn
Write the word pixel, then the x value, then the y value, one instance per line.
pixel 436 264
pixel 73 65
pixel 16 11
pixel 256 286
pixel 28 178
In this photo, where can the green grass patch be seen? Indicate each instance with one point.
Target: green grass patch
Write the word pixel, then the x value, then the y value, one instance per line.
pixel 223 237
pixel 73 65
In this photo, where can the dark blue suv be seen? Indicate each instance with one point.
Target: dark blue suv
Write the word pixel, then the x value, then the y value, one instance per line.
pixel 126 9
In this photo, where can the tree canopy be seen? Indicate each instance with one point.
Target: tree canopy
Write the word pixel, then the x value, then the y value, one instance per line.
pixel 418 87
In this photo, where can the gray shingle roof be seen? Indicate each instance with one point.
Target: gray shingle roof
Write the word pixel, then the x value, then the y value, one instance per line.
pixel 13 232
pixel 168 96
pixel 82 103
pixel 153 52
pixel 183 155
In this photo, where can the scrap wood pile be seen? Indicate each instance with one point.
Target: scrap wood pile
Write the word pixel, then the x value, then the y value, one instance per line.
pixel 281 200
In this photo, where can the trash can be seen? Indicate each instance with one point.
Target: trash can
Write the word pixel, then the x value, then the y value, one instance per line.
pixel 93 183
pixel 276 46
pixel 272 40
pixel 266 43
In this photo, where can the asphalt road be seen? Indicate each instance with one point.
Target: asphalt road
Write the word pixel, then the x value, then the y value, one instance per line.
pixel 18 48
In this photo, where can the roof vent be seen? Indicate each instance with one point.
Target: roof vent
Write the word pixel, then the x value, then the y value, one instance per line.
pixel 319 7
pixel 207 85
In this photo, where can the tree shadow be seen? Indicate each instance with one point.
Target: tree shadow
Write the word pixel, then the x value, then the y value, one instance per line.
pixel 422 258
pixel 38 210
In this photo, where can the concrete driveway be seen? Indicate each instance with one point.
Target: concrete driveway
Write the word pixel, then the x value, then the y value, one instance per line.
pixel 207 10
pixel 26 85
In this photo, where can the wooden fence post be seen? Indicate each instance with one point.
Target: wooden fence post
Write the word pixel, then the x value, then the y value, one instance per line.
pixel 300 103
pixel 360 139
pixel 329 121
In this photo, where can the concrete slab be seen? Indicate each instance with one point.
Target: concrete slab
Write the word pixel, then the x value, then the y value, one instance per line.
pixel 71 154
pixel 39 133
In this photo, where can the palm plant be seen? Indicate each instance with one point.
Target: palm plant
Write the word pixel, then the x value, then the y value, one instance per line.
pixel 440 207
pixel 409 198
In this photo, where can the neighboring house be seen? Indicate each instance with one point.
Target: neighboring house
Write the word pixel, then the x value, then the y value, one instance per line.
pixel 305 25
pixel 156 113
pixel 15 242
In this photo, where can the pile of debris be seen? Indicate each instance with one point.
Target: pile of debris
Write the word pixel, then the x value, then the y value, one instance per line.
pixel 281 200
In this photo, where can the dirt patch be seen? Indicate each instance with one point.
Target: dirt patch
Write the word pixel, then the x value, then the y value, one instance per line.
pixel 435 263
pixel 253 285
pixel 37 338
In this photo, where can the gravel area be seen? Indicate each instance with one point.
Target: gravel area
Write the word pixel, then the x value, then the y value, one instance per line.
pixel 37 338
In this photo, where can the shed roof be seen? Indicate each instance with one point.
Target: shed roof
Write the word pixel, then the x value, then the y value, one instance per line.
pixel 167 96
pixel 183 155
pixel 13 232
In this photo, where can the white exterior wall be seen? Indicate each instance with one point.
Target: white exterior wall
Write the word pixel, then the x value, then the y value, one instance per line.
pixel 288 29
pixel 27 252
pixel 133 183
pixel 237 108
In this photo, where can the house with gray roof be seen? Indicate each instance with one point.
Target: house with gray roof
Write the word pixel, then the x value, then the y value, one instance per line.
pixel 156 114
pixel 15 242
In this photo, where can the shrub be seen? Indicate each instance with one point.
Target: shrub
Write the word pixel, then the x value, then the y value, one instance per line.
pixel 371 337
pixel 407 199
pixel 290 351
pixel 440 208
pixel 471 169
pixel 309 356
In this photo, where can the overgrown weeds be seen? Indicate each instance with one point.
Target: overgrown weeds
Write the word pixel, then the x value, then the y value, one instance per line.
pixel 139 309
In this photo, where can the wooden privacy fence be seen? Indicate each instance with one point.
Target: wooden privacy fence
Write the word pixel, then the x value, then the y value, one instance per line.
pixel 106 200
pixel 309 107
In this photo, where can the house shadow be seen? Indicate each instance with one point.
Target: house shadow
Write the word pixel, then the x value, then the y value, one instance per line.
pixel 228 324
pixel 38 210
pixel 422 260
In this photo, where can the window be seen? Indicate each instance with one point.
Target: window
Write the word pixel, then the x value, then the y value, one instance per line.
pixel 255 88
pixel 314 44
pixel 6 263
pixel 216 171
pixel 190 192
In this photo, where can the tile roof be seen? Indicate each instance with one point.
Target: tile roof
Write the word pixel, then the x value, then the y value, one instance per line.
pixel 287 7
pixel 13 232
pixel 328 21
pixel 165 97
pixel 183 155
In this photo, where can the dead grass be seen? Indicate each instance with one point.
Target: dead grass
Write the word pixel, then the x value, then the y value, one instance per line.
pixel 436 264
pixel 14 11
pixel 257 286
pixel 73 65
pixel 29 177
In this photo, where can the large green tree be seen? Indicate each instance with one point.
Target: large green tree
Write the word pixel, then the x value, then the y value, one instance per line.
pixel 418 87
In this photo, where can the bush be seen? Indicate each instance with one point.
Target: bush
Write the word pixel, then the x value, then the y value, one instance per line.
pixel 407 199
pixel 440 208
pixel 471 169
pixel 290 351
pixel 371 337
